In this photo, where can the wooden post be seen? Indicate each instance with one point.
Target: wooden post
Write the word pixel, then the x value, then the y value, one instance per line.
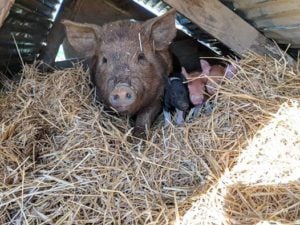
pixel 5 6
pixel 57 32
pixel 219 21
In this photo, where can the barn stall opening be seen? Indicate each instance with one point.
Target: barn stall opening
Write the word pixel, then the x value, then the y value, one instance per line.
pixel 65 160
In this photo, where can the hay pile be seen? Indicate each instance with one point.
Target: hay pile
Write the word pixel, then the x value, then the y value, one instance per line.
pixel 65 161
pixel 264 182
pixel 263 185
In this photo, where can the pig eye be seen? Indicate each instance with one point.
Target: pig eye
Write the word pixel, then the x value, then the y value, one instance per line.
pixel 129 96
pixel 141 57
pixel 104 60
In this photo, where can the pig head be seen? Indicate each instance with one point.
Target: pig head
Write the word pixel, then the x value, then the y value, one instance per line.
pixel 196 86
pixel 131 62
pixel 216 75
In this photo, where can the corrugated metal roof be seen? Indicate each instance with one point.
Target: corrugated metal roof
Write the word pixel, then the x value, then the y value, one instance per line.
pixel 29 22
pixel 159 7
pixel 277 19
pixel 25 30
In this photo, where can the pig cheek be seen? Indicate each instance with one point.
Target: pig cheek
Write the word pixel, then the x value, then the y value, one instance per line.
pixel 144 69
pixel 139 96
pixel 137 86
pixel 110 85
pixel 104 83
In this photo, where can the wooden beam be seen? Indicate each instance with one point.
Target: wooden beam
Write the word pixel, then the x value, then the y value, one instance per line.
pixel 57 32
pixel 222 23
pixel 5 6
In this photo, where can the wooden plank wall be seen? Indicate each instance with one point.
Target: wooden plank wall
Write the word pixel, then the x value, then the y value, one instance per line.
pixel 219 21
pixel 276 19
pixel 24 32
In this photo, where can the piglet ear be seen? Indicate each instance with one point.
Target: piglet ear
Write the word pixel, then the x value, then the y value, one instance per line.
pixel 82 37
pixel 184 73
pixel 205 67
pixel 161 30
pixel 230 71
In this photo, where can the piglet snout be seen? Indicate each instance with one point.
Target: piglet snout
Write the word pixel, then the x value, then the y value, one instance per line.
pixel 122 96
pixel 197 100
pixel 184 106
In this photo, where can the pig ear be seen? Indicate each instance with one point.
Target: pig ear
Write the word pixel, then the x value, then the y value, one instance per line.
pixel 161 29
pixel 82 37
pixel 230 71
pixel 184 73
pixel 205 66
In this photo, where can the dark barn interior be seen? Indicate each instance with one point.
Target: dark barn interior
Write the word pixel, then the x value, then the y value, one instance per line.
pixel 32 29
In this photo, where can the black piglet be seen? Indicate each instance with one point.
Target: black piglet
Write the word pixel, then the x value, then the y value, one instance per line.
pixel 176 98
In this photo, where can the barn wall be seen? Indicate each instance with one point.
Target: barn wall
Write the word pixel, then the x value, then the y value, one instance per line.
pixel 24 32
pixel 276 19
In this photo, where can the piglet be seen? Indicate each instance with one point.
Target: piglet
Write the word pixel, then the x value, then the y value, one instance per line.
pixel 216 75
pixel 176 97
pixel 132 61
pixel 196 87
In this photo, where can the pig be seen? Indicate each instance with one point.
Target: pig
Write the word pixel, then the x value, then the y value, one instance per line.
pixel 196 88
pixel 176 98
pixel 216 74
pixel 204 84
pixel 131 63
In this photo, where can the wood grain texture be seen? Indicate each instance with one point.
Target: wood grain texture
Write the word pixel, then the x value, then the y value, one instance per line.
pixel 219 21
pixel 5 6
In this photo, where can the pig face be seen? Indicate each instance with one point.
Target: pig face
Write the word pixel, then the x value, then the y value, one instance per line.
pixel 132 59
pixel 176 97
pixel 130 63
pixel 196 86
pixel 216 74
pixel 178 93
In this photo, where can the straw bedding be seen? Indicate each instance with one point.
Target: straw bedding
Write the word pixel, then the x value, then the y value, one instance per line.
pixel 64 160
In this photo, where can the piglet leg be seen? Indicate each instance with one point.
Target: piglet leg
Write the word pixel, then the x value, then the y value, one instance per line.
pixel 208 108
pixel 196 110
pixel 179 117
pixel 167 116
pixel 145 118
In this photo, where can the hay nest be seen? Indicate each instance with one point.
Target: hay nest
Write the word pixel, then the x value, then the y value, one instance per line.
pixel 64 160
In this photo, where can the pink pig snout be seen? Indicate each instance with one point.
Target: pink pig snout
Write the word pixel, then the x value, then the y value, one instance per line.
pixel 197 99
pixel 122 96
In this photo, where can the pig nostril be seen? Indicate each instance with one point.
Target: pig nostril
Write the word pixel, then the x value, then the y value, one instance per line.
pixel 115 97
pixel 128 95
